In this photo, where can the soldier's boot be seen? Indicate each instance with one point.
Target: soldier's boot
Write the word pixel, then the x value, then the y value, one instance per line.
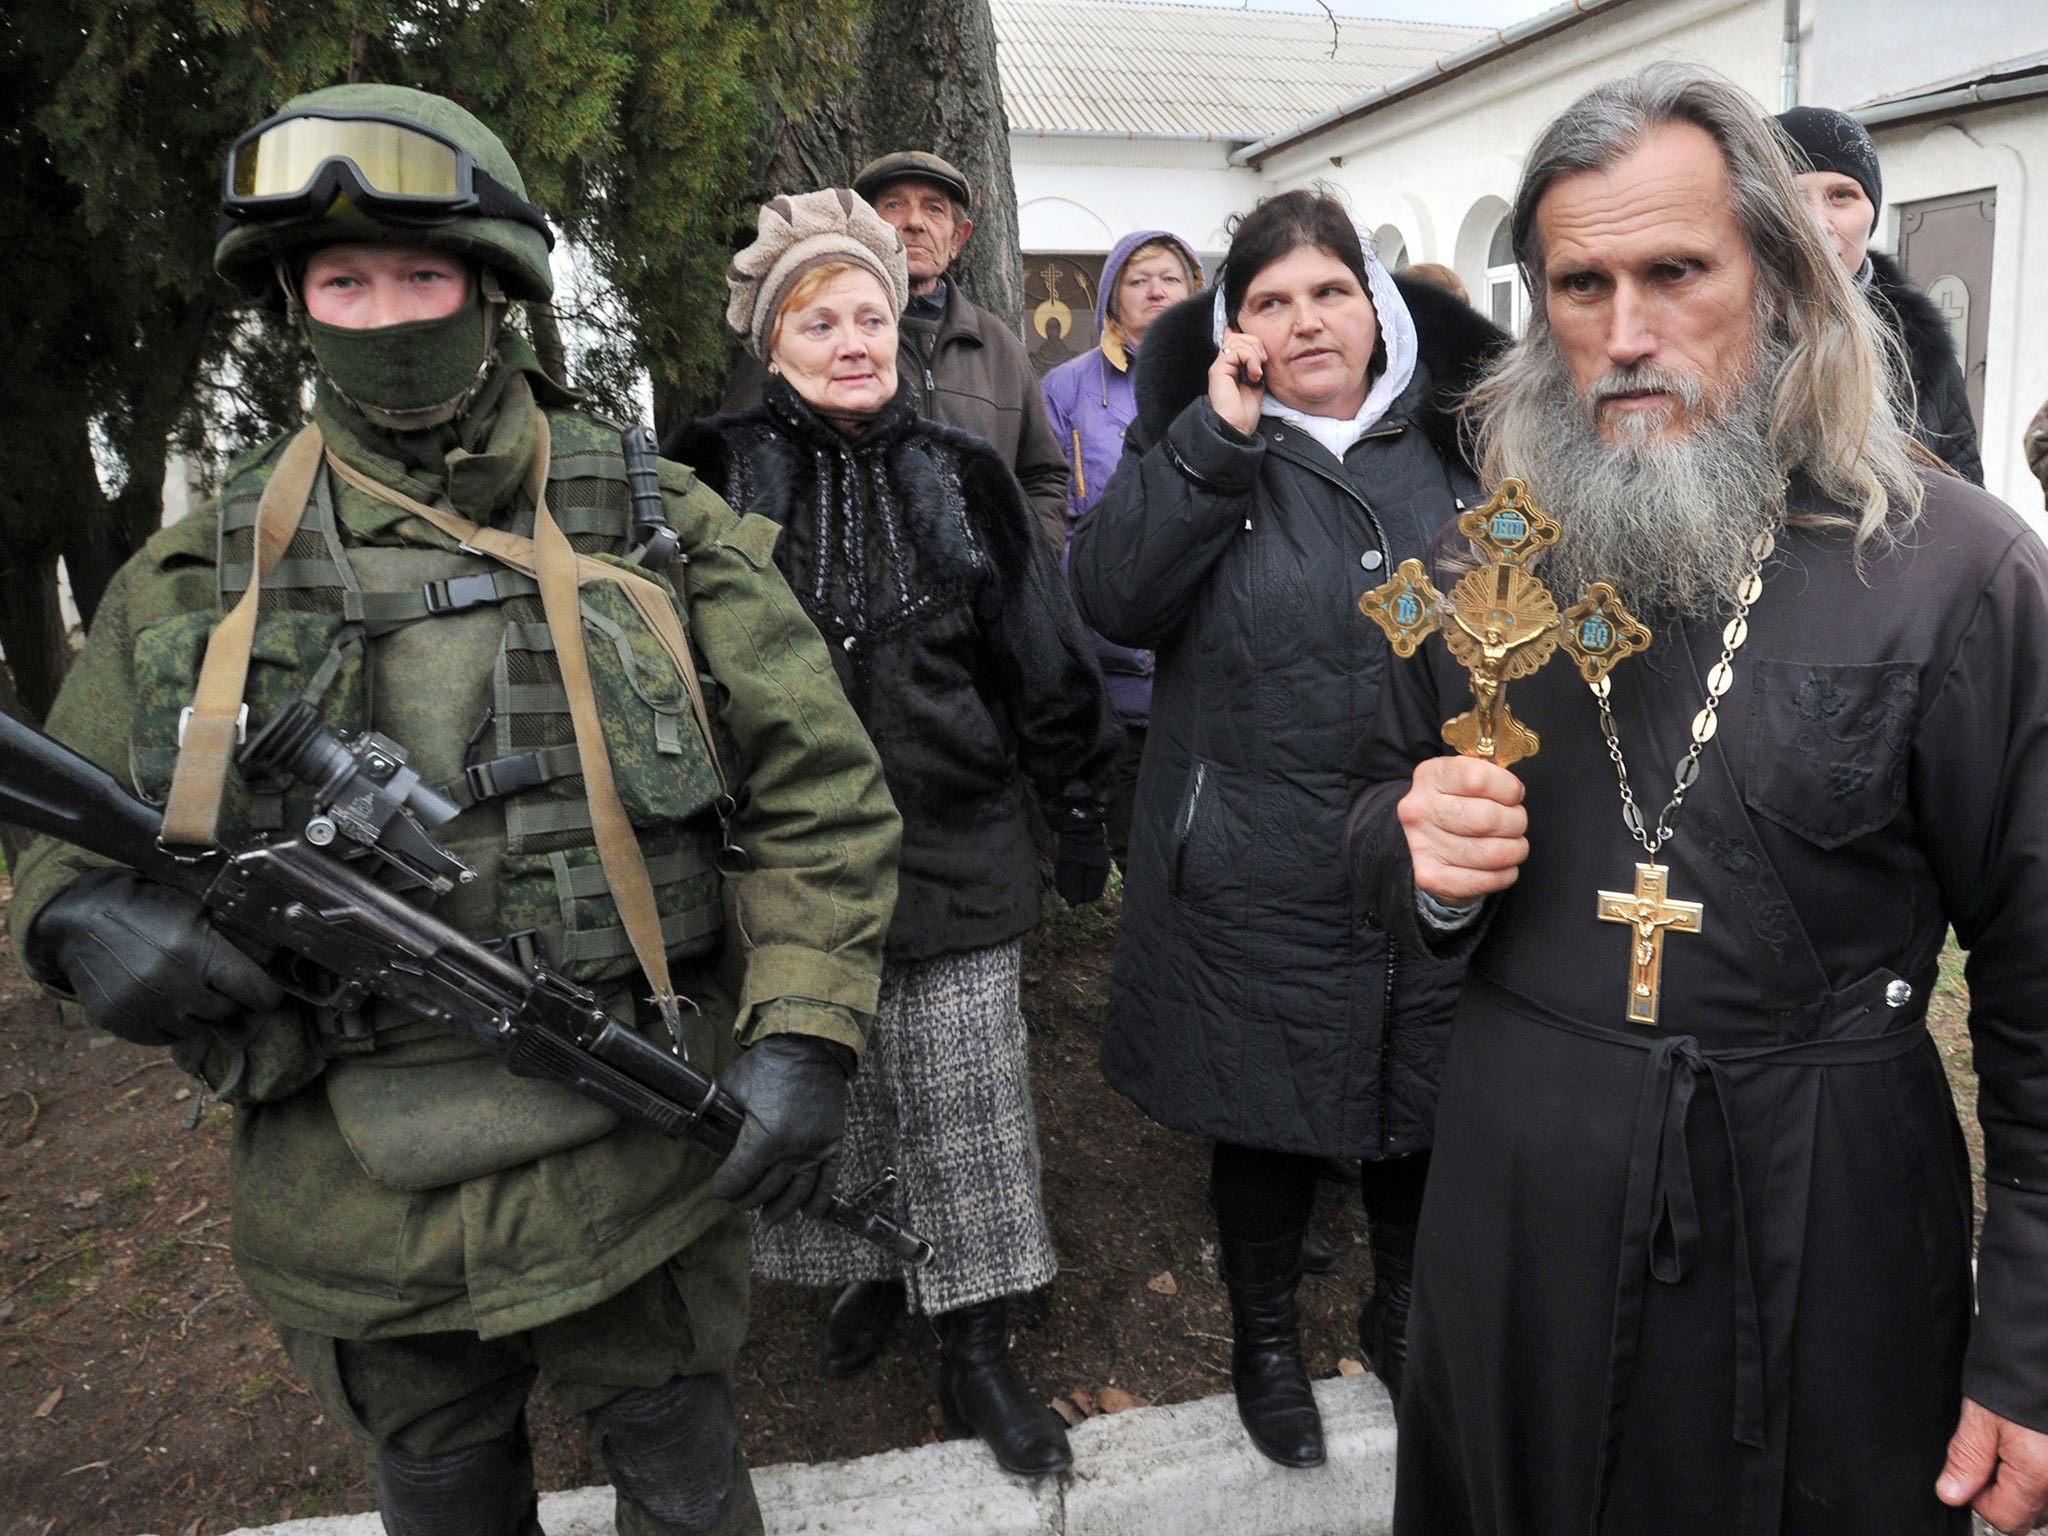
pixel 980 1393
pixel 1267 1374
pixel 673 1455
pixel 1383 1324
pixel 480 1490
pixel 858 1325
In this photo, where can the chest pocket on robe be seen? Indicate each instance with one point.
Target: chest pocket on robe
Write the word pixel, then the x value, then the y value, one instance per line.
pixel 1828 746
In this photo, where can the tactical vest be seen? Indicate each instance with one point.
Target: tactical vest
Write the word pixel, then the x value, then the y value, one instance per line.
pixel 332 620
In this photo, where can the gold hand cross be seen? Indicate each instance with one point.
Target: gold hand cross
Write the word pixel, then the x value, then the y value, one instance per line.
pixel 1503 623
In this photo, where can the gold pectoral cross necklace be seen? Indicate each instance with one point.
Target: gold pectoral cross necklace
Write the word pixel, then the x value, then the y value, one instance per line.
pixel 1651 915
pixel 1648 909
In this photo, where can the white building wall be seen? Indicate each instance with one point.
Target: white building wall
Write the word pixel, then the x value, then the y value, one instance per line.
pixel 1991 147
pixel 1082 195
pixel 1863 50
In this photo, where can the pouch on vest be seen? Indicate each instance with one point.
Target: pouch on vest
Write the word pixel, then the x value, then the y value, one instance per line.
pixel 562 896
pixel 439 1112
pixel 294 656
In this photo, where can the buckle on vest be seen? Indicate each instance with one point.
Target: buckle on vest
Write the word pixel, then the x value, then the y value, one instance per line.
pixel 512 775
pixel 241 724
pixel 456 593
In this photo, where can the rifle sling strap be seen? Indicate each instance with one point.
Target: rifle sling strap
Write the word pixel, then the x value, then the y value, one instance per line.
pixel 550 559
pixel 213 728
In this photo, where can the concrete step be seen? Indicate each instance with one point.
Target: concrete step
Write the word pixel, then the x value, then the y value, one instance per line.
pixel 1185 1470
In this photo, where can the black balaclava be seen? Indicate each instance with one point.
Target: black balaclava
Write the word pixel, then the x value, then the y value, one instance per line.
pixel 418 374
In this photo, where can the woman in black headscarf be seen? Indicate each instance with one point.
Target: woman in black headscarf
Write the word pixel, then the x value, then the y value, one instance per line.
pixel 1837 171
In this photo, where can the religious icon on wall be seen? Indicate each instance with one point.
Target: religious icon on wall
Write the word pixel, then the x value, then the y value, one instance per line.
pixel 1059 307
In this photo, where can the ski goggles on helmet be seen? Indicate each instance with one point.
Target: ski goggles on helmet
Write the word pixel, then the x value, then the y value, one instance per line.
pixel 291 168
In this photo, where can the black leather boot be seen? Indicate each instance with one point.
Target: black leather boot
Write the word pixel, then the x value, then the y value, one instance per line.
pixel 980 1394
pixel 1267 1373
pixel 1317 1256
pixel 858 1325
pixel 1383 1325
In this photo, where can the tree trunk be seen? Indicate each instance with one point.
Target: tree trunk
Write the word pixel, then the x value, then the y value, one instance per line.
pixel 927 80
pixel 32 631
pixel 13 841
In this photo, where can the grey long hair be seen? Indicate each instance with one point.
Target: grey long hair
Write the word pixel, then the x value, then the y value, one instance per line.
pixel 1833 415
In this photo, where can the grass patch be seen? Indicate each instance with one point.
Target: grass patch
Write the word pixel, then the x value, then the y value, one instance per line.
pixel 1064 925
pixel 140 1182
pixel 163 1255
pixel 253 1387
pixel 319 1498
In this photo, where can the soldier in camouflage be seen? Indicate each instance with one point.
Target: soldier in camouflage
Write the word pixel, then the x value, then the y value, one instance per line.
pixel 430 1233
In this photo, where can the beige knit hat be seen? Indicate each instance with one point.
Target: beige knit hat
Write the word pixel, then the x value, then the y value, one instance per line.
pixel 797 235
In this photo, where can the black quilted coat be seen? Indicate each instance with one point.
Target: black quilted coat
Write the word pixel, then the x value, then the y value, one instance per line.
pixel 1251 1002
pixel 1945 425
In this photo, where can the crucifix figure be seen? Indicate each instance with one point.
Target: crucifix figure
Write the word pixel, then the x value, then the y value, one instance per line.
pixel 1651 915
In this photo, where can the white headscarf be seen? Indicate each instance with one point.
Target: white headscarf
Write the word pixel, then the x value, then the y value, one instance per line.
pixel 1397 330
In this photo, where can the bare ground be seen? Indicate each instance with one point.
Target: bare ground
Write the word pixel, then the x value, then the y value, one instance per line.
pixel 142 1391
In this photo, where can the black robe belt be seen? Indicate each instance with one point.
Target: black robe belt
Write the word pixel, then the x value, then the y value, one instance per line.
pixel 1660 1234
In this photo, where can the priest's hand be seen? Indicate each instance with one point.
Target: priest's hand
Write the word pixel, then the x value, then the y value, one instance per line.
pixel 1998 1468
pixel 1467 831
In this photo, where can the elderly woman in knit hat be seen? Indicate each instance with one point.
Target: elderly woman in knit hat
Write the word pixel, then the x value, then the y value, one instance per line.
pixel 915 552
pixel 1836 167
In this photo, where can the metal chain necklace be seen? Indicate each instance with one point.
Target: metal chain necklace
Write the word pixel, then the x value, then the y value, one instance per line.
pixel 1647 909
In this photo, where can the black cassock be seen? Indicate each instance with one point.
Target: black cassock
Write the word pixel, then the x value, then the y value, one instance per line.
pixel 1712 1275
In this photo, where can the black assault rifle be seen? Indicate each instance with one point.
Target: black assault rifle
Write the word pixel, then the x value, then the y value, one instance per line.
pixel 335 937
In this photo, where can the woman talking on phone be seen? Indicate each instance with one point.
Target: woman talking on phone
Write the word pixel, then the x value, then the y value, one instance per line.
pixel 1293 445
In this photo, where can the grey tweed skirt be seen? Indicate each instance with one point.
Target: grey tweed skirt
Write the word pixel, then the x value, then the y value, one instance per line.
pixel 944 1098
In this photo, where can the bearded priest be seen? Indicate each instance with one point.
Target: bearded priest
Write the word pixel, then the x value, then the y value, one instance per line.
pixel 1711 1273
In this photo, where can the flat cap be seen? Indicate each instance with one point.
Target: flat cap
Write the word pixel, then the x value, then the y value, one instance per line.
pixel 912 165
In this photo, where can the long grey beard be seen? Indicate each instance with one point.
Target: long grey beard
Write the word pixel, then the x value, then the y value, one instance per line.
pixel 1668 522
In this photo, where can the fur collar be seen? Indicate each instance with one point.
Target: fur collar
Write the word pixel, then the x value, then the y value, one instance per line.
pixel 1456 343
pixel 1922 330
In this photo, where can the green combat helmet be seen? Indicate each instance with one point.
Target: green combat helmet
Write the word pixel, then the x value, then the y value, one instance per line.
pixel 374 162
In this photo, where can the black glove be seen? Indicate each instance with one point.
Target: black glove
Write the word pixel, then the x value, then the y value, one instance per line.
pixel 794 1088
pixel 145 961
pixel 1081 868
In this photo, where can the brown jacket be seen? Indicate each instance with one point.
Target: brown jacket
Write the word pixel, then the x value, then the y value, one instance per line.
pixel 2036 443
pixel 971 373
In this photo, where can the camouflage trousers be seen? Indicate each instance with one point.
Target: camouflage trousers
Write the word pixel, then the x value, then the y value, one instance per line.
pixel 430 1394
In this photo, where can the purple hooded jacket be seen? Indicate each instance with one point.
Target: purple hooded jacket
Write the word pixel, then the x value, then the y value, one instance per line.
pixel 1090 400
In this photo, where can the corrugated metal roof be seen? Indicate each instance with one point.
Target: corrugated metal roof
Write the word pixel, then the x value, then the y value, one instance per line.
pixel 1152 70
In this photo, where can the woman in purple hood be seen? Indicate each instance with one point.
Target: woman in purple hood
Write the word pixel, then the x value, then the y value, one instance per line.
pixel 1090 400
